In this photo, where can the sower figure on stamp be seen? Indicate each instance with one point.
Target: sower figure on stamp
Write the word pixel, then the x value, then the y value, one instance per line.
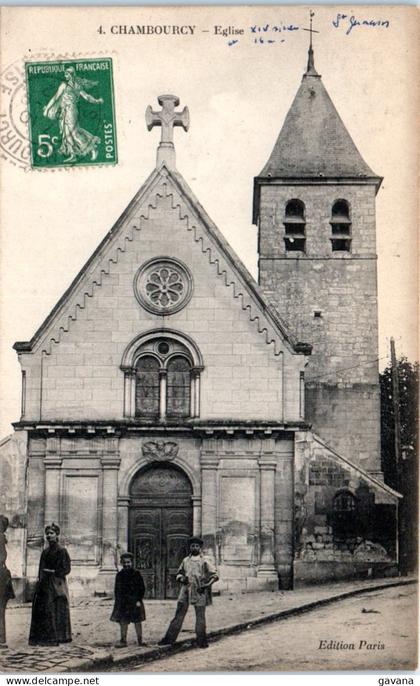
pixel 128 604
pixel 6 588
pixel 75 141
pixel 197 575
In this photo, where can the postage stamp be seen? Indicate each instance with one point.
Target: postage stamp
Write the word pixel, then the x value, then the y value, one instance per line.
pixel 71 113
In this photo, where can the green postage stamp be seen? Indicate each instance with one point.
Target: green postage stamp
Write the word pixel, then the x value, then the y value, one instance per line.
pixel 71 113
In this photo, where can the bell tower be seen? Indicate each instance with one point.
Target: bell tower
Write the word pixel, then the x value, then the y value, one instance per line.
pixel 314 205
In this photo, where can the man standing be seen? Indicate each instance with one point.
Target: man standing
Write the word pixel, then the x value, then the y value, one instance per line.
pixel 196 575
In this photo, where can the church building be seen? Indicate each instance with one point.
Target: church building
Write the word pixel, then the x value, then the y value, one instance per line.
pixel 168 393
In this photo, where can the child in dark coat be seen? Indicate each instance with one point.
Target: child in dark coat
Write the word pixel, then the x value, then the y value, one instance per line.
pixel 128 605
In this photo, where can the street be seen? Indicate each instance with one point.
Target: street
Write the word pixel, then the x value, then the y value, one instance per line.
pixel 368 632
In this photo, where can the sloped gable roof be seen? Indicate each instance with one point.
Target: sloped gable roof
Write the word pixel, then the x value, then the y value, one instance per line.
pixel 318 443
pixel 313 141
pixel 255 295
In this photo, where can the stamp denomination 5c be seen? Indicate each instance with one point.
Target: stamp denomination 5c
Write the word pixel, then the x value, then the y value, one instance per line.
pixel 71 113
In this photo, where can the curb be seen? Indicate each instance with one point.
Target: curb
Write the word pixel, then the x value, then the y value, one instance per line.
pixel 99 660
pixel 156 653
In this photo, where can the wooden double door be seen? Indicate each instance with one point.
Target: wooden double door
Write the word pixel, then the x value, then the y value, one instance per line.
pixel 160 526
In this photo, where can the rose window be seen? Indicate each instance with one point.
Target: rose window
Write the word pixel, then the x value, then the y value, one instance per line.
pixel 163 285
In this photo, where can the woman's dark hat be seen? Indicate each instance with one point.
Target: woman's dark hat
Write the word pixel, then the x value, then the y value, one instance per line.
pixel 54 527
pixel 195 539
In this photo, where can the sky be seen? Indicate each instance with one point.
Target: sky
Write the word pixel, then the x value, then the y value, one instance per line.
pixel 238 95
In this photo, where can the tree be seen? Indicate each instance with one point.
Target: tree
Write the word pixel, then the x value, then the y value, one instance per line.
pixel 406 482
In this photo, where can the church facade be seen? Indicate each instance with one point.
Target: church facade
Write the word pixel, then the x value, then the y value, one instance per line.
pixel 169 394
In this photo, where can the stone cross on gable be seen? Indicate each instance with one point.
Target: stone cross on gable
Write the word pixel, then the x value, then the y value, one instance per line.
pixel 167 118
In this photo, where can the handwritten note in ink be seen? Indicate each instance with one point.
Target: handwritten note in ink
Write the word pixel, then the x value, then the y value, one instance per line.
pixel 350 22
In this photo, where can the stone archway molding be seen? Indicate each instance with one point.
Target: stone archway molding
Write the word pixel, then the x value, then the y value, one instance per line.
pixel 125 478
pixel 128 366
pixel 128 475
pixel 128 358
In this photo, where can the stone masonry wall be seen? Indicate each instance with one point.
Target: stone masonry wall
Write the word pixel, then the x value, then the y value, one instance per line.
pixel 340 288
pixel 81 375
pixel 284 516
pixel 345 522
pixel 13 465
pixel 69 483
pixel 346 416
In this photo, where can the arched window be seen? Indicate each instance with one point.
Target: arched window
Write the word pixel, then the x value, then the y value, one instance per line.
pixel 294 226
pixel 178 387
pixel 162 377
pixel 344 501
pixel 344 515
pixel 295 208
pixel 147 386
pixel 340 226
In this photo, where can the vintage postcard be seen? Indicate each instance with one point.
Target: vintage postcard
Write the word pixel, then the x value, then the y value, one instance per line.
pixel 208 453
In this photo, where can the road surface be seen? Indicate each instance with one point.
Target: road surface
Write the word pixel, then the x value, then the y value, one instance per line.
pixel 374 631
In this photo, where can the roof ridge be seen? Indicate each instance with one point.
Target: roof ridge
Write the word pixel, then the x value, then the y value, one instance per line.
pixel 300 148
pixel 26 346
pixel 89 270
pixel 238 266
pixel 379 484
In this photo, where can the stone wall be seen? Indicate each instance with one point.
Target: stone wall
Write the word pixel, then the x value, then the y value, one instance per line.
pixel 346 415
pixel 330 299
pixel 345 520
pixel 74 372
pixel 13 502
pixel 241 496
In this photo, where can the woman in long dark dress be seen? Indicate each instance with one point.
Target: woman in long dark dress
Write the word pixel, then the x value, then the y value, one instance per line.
pixel 6 588
pixel 128 600
pixel 50 623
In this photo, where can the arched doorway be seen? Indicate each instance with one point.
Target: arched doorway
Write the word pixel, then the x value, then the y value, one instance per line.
pixel 160 525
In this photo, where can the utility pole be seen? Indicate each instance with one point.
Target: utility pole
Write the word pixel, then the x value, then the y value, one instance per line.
pixel 397 449
pixel 396 406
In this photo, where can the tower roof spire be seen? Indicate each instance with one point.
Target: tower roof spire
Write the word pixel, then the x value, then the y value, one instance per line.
pixel 310 69
pixel 313 143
